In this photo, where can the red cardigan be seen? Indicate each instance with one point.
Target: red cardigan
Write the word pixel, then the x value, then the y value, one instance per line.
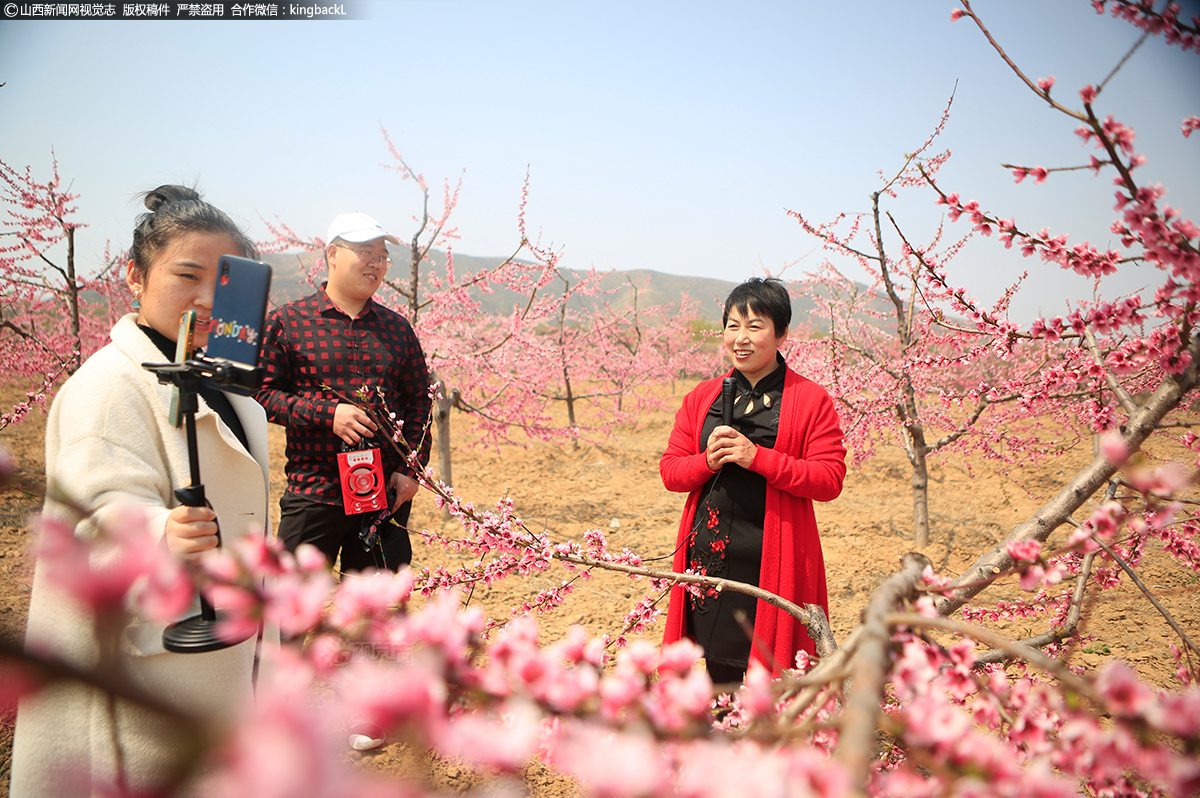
pixel 808 463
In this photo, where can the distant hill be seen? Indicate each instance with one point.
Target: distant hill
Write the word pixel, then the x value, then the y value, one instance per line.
pixel 289 282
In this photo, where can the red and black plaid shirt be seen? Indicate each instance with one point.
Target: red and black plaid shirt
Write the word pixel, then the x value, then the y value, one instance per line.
pixel 310 345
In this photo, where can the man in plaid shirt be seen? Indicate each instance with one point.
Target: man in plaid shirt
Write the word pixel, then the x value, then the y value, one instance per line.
pixel 325 356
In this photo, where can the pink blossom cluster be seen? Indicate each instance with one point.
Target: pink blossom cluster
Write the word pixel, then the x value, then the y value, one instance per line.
pixel 1109 133
pixel 36 397
pixel 1167 239
pixel 509 556
pixel 1180 541
pixel 1163 516
pixel 1008 611
pixel 504 546
pixel 119 569
pixel 1083 258
pixel 641 616
pixel 257 581
pixel 1033 573
pixel 638 724
pixel 1020 173
pixel 514 548
pixel 1142 15
pixel 501 706
pixel 972 730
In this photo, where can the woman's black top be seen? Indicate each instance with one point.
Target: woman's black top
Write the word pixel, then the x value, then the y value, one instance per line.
pixel 212 395
pixel 727 532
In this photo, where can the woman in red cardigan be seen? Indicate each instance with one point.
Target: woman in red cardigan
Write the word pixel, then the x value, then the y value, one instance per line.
pixel 751 487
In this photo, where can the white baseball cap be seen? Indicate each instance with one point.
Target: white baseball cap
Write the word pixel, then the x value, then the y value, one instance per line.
pixel 356 228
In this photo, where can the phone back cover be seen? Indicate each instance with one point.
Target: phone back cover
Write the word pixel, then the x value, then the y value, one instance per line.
pixel 239 309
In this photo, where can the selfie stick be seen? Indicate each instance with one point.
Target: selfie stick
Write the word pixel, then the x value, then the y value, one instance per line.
pixel 197 634
pixel 728 389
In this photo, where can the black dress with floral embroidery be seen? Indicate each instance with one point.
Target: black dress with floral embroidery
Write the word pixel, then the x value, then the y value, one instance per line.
pixel 727 535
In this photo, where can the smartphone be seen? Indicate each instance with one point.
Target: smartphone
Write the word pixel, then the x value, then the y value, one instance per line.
pixel 239 311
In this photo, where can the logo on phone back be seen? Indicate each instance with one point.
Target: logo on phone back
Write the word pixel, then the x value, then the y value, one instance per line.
pixel 235 330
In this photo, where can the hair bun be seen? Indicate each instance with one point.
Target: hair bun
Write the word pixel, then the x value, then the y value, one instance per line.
pixel 164 195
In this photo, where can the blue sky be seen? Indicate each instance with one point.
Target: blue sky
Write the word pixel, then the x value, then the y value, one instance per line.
pixel 660 135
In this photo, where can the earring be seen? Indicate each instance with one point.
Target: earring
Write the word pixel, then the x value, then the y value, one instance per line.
pixel 137 301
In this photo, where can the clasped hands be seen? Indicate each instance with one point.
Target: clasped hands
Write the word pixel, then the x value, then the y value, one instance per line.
pixel 727 445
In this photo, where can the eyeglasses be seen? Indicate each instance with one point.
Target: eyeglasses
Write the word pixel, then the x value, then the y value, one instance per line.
pixel 366 257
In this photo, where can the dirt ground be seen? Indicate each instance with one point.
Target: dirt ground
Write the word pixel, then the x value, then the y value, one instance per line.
pixel 614 486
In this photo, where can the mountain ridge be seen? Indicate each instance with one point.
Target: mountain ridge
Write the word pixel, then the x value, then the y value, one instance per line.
pixel 290 281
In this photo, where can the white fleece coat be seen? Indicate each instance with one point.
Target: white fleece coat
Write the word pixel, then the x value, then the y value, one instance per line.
pixel 108 441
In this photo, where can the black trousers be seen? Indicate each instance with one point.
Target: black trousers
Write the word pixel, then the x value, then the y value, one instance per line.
pixel 326 526
pixel 724 673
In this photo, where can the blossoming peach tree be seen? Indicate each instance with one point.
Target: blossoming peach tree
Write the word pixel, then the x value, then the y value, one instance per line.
pixel 909 356
pixel 914 702
pixel 48 325
pixel 914 358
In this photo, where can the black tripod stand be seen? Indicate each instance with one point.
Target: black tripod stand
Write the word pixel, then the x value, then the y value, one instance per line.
pixel 198 633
